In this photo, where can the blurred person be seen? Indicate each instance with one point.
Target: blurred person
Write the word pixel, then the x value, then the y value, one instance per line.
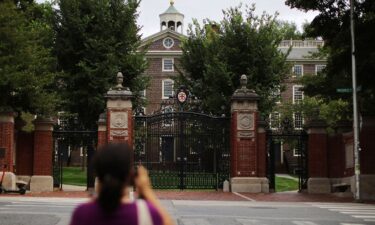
pixel 114 169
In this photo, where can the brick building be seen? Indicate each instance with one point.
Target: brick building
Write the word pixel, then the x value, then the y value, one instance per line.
pixel 163 56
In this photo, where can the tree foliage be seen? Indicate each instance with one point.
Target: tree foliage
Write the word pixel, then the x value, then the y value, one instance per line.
pixel 216 54
pixel 333 25
pixel 27 65
pixel 95 40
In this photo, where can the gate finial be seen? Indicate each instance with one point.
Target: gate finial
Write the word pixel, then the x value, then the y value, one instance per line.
pixel 119 80
pixel 243 81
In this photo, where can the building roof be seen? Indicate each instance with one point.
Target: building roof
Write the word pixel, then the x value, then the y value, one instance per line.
pixel 299 53
pixel 171 10
pixel 301 50
pixel 160 35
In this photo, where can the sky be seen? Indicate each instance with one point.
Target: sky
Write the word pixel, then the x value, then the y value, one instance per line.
pixel 212 9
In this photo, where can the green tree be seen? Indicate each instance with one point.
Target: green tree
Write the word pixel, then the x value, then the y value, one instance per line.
pixel 333 25
pixel 27 65
pixel 216 54
pixel 290 31
pixel 95 40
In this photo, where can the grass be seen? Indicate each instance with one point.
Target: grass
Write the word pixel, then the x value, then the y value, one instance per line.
pixel 286 184
pixel 74 176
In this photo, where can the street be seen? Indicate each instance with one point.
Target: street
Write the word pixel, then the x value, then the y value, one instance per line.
pixel 43 211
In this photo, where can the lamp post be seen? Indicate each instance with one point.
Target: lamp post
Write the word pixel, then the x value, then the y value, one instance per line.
pixel 357 168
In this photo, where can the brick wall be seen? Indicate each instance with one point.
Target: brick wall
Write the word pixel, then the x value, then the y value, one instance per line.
pixel 317 147
pixel 25 153
pixel 7 139
pixel 43 146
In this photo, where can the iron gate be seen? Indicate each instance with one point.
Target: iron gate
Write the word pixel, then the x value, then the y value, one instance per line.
pixel 183 150
pixel 294 139
pixel 65 138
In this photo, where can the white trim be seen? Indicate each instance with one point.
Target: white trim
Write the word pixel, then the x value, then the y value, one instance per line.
pixel 163 69
pixel 294 87
pixel 316 67
pixel 144 93
pixel 294 121
pixel 294 153
pixel 302 70
pixel 271 125
pixel 167 46
pixel 162 88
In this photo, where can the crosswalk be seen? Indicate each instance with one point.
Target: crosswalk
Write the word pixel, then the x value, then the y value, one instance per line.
pixel 364 212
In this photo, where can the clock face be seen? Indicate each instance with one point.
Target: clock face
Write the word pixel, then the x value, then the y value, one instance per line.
pixel 168 42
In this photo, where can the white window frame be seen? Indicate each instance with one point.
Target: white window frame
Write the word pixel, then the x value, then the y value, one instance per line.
pixel 302 70
pixel 277 94
pixel 294 88
pixel 294 122
pixel 271 125
pixel 144 93
pixel 294 152
pixel 163 68
pixel 162 88
pixel 316 67
pixel 167 46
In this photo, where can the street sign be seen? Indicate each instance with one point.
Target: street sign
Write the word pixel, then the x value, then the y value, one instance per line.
pixel 344 90
pixel 347 90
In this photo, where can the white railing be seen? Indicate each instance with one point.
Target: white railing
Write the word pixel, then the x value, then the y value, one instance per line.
pixel 302 44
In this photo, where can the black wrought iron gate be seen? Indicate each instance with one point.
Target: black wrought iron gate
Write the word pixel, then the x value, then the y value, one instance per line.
pixel 294 140
pixel 183 150
pixel 67 137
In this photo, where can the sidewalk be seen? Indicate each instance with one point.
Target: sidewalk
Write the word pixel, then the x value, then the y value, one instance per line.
pixel 210 196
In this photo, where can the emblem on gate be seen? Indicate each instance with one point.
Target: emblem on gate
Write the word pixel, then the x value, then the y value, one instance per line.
pixel 182 95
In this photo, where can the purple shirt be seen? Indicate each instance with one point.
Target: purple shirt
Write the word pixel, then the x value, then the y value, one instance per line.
pixel 91 214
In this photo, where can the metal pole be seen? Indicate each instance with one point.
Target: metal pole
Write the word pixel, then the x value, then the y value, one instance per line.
pixel 357 168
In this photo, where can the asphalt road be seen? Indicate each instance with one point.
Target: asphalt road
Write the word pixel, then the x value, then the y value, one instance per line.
pixel 43 211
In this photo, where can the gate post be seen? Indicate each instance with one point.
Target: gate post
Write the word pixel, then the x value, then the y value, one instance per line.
pixel 246 174
pixel 6 140
pixel 119 113
pixel 318 182
pixel 42 179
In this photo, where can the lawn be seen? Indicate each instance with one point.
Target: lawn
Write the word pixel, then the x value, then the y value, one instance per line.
pixel 74 176
pixel 286 184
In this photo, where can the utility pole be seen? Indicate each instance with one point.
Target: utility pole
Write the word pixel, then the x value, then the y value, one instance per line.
pixel 357 149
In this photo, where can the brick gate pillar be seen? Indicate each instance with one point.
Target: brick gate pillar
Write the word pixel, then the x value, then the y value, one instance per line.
pixel 246 172
pixel 318 181
pixel 7 140
pixel 42 179
pixel 119 114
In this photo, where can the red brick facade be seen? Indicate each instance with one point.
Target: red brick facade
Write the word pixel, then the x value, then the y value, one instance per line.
pixel 25 153
pixel 43 145
pixel 317 147
pixel 7 139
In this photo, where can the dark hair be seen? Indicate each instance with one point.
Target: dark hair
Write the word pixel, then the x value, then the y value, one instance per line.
pixel 112 166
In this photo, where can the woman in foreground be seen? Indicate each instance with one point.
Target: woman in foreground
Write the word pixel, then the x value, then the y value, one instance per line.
pixel 112 165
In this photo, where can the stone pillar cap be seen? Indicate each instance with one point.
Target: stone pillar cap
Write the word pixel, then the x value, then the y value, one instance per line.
pixel 102 118
pixel 119 91
pixel 244 93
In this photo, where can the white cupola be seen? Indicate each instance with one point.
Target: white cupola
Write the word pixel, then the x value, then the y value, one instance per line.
pixel 172 19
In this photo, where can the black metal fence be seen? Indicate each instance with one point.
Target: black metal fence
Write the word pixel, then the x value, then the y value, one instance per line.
pixel 183 150
pixel 67 138
pixel 295 140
